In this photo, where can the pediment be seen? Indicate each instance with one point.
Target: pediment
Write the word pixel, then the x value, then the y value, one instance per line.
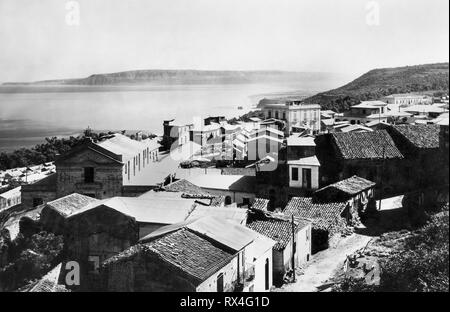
pixel 88 156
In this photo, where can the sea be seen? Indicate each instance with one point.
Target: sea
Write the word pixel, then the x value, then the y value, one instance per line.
pixel 29 114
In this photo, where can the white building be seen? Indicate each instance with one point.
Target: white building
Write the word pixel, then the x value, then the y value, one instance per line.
pixel 365 112
pixel 10 198
pixel 407 99
pixel 295 114
pixel 304 173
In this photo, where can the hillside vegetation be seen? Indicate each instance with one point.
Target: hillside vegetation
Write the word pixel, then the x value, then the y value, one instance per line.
pixel 381 82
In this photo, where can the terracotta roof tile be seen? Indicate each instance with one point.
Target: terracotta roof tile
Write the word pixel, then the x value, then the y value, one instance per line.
pixel 366 145
pixel 277 228
pixel 350 186
pixel 323 215
pixel 260 204
pixel 186 187
pixel 421 136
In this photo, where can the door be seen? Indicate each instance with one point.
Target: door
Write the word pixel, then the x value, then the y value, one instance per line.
pixel 266 274
pixel 220 282
pixel 306 177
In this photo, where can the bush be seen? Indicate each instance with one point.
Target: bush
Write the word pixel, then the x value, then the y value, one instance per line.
pixel 30 258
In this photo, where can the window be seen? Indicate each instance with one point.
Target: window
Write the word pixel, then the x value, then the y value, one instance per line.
pixel 227 200
pixel 220 282
pixel 89 174
pixel 294 172
pixel 94 264
pixel 37 201
pixel 306 178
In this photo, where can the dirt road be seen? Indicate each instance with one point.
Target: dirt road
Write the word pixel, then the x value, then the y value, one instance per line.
pixel 325 263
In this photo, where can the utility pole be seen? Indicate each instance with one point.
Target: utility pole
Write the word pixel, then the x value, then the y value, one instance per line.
pixel 293 247
pixel 381 178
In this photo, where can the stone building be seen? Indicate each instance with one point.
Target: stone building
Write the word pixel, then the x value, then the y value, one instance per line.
pixel 99 170
pixel 328 218
pixel 205 255
pixel 371 155
pixel 424 162
pixel 293 240
pixel 54 213
pixel 356 191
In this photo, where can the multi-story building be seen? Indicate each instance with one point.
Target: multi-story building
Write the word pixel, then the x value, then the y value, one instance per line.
pixel 365 112
pixel 295 114
pixel 406 99
pixel 98 170
pixel 175 135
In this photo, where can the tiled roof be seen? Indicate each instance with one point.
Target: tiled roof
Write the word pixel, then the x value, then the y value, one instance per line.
pixel 196 256
pixel 366 145
pixel 260 204
pixel 218 201
pixel 49 283
pixel 421 136
pixel 278 230
pixel 69 204
pixel 187 252
pixel 351 186
pixel 323 215
pixel 186 187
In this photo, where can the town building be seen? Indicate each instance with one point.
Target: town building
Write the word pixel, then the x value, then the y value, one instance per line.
pixel 356 191
pixel 304 173
pixel 407 99
pixel 175 135
pixel 328 218
pixel 293 240
pixel 10 198
pixel 425 111
pixel 239 189
pixel 365 112
pixel 300 147
pixel 264 142
pixel 204 255
pixel 295 114
pixel 423 160
pixel 54 214
pixel 100 170
pixel 371 155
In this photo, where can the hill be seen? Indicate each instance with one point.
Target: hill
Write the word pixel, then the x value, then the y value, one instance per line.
pixel 380 82
pixel 136 77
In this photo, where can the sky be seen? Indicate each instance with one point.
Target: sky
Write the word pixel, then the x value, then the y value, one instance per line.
pixel 55 39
